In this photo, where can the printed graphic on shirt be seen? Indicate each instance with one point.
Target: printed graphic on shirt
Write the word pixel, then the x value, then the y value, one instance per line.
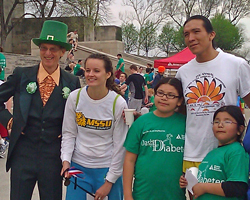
pixel 163 145
pixel 203 176
pixel 204 95
pixel 82 121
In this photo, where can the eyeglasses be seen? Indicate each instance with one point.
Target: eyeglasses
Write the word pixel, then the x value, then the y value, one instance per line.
pixel 53 49
pixel 169 96
pixel 224 123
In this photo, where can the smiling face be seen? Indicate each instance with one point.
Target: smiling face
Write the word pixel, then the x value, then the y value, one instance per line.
pixel 95 73
pixel 198 40
pixel 50 55
pixel 226 133
pixel 166 107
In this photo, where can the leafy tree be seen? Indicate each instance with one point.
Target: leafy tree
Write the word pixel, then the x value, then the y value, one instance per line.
pixel 93 13
pixel 228 36
pixel 42 9
pixel 180 10
pixel 6 16
pixel 166 40
pixel 144 12
pixel 147 37
pixel 179 39
pixel 96 11
pixel 129 37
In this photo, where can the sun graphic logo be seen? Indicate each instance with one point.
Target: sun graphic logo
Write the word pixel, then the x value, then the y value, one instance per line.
pixel 204 92
pixel 80 119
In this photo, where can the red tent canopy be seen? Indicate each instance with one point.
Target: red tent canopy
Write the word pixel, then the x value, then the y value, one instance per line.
pixel 175 61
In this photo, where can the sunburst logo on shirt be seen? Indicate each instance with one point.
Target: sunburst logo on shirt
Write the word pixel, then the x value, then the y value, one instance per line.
pixel 205 92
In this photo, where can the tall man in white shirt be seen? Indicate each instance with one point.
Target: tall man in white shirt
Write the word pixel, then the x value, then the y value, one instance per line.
pixel 211 80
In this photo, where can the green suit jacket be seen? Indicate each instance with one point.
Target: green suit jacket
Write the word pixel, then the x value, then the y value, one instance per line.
pixel 16 86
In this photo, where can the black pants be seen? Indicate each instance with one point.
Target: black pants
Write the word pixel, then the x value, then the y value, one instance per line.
pixel 80 72
pixel 36 163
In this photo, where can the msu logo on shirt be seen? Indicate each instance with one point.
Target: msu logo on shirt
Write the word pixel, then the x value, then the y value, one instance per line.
pixel 82 121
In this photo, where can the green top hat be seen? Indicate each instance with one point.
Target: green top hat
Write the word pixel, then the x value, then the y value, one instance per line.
pixel 53 32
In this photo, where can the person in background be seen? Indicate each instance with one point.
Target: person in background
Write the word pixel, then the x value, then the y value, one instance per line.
pixel 120 67
pixel 151 104
pixel 140 71
pixel 39 96
pixel 70 67
pixel 74 36
pixel 136 82
pixel 161 70
pixel 2 64
pixel 148 78
pixel 70 55
pixel 154 148
pixel 123 87
pixel 223 173
pixel 78 69
pixel 94 133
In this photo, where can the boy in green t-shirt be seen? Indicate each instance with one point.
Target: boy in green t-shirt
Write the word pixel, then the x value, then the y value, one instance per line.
pixel 147 78
pixel 120 65
pixel 78 69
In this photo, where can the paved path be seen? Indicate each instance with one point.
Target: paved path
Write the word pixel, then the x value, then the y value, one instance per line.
pixel 5 184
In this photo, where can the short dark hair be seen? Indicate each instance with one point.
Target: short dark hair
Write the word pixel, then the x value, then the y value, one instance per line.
pixel 126 76
pixel 236 113
pixel 150 65
pixel 134 67
pixel 206 24
pixel 79 61
pixel 119 54
pixel 148 70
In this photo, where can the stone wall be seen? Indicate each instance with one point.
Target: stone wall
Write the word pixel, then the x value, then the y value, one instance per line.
pixel 31 28
pixel 18 12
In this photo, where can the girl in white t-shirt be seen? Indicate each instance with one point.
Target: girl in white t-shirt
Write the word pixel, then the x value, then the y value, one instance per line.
pixel 94 133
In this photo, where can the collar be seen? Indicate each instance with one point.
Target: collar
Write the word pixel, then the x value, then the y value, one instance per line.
pixel 42 74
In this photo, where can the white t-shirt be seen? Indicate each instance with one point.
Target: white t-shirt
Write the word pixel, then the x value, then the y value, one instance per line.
pixel 73 36
pixel 208 86
pixel 92 137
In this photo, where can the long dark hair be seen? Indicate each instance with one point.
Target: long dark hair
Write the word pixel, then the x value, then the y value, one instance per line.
pixel 110 84
pixel 236 113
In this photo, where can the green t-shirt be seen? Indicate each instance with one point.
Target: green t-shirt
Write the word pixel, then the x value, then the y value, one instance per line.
pixel 159 144
pixel 153 108
pixel 2 65
pixel 147 78
pixel 76 68
pixel 120 61
pixel 225 163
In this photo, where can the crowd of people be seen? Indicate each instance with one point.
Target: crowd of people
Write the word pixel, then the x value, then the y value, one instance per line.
pixel 59 131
